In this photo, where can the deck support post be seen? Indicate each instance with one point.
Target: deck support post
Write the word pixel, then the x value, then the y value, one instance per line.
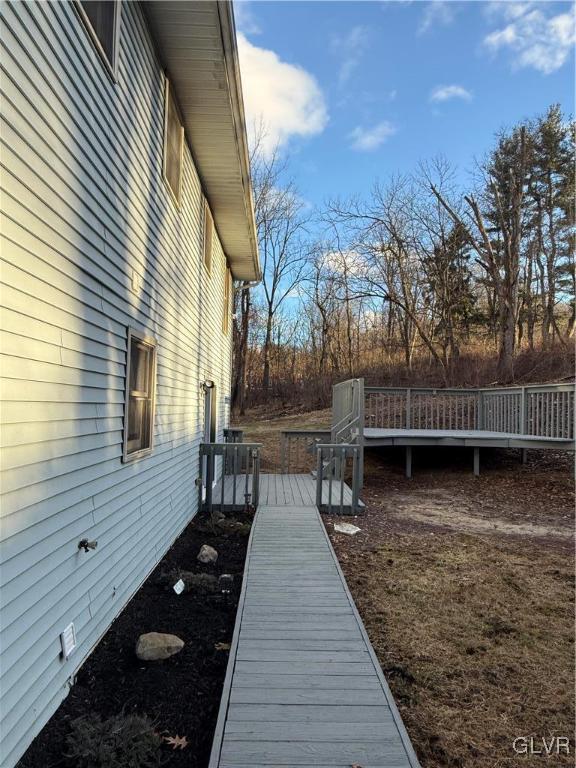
pixel 409 462
pixel 476 461
pixel 524 455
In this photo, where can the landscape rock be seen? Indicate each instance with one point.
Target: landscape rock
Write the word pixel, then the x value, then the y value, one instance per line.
pixel 207 554
pixel 154 646
pixel 346 528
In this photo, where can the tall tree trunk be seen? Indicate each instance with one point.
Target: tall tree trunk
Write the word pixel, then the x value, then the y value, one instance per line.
pixel 240 335
pixel 266 354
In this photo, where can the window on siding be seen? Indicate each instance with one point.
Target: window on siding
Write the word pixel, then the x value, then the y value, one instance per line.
pixel 140 396
pixel 227 300
pixel 208 236
pixel 102 19
pixel 173 144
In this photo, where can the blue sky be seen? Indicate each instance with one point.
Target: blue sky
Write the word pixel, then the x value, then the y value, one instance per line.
pixel 355 91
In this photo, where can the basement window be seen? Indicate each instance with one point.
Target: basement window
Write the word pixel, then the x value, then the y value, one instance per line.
pixel 140 396
pixel 208 236
pixel 227 300
pixel 102 20
pixel 173 145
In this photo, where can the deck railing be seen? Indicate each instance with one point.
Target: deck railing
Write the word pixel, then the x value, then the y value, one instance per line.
pixel 234 462
pixel 545 410
pixel 298 449
pixel 237 489
pixel 332 493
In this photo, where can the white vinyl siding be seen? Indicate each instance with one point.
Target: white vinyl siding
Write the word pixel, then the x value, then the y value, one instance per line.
pixel 91 246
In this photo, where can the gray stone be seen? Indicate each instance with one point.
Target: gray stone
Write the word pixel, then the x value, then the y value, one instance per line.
pixel 154 646
pixel 207 554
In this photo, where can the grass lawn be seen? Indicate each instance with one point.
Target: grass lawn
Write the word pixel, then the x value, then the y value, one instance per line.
pixel 466 588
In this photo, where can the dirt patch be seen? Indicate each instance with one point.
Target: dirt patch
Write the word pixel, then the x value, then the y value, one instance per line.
pixel 466 588
pixel 475 636
pixel 443 508
pixel 181 695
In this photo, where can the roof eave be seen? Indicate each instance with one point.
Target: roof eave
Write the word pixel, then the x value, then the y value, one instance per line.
pixel 203 66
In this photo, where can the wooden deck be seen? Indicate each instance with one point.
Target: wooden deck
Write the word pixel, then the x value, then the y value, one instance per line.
pixel 303 687
pixel 280 490
pixel 476 438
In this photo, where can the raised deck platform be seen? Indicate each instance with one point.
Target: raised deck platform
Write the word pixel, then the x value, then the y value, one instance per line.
pixel 376 437
pixel 303 686
pixel 473 438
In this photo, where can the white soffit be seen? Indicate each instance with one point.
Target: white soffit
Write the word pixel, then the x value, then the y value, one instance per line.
pixel 197 45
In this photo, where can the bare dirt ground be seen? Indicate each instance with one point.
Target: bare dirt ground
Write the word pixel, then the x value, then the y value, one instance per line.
pixel 466 588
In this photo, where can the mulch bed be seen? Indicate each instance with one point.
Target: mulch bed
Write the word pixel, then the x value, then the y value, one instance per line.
pixel 180 694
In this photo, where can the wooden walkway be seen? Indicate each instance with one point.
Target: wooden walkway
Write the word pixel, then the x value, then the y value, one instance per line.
pixel 303 686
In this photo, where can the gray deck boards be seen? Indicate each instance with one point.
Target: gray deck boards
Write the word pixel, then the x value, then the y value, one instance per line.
pixel 476 438
pixel 279 490
pixel 303 686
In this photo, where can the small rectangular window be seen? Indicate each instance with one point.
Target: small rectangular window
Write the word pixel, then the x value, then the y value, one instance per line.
pixel 101 18
pixel 140 396
pixel 173 144
pixel 208 236
pixel 227 301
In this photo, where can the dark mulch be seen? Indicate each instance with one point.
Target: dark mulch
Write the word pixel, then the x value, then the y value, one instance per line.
pixel 181 694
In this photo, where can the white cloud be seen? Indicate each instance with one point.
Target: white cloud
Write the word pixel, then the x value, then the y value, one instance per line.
pixel 347 261
pixel 506 9
pixel 244 18
pixel 437 13
pixel 448 92
pixel 350 48
pixel 369 139
pixel 536 38
pixel 284 98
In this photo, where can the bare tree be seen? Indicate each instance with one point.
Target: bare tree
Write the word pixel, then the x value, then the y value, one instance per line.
pixel 281 226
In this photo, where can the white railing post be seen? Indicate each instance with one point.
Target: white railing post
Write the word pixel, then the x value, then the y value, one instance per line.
pixel 523 406
pixel 408 406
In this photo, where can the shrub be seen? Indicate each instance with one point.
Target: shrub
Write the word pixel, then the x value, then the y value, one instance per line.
pixel 122 741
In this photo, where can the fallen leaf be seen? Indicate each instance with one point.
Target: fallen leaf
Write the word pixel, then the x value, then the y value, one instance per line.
pixel 176 742
pixel 222 646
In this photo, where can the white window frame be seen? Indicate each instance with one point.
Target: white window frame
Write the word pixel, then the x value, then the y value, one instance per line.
pixel 228 299
pixel 207 245
pixel 127 455
pixel 110 66
pixel 167 96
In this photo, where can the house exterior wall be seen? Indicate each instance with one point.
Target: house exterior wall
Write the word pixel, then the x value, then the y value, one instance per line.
pixel 92 243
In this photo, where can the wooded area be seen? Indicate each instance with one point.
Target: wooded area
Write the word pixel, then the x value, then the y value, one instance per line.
pixel 420 281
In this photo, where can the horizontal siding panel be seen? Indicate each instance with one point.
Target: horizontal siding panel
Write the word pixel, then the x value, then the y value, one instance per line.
pixel 30 412
pixel 38 432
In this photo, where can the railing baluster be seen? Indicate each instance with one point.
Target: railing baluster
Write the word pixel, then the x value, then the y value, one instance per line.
pixel 319 478
pixel 224 458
